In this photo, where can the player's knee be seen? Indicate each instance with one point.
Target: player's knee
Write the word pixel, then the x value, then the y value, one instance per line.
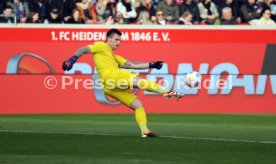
pixel 135 81
pixel 136 103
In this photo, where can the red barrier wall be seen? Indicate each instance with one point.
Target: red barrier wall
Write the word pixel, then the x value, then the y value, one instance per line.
pixel 23 80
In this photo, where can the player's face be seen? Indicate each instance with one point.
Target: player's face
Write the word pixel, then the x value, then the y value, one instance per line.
pixel 114 41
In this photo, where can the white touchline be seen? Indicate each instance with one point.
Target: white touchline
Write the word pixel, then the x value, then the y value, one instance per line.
pixel 220 139
pixel 173 137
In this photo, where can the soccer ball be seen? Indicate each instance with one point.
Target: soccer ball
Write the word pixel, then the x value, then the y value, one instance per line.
pixel 193 79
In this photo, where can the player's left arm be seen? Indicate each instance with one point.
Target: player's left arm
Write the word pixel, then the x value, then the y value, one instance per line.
pixel 142 65
pixel 135 65
pixel 123 63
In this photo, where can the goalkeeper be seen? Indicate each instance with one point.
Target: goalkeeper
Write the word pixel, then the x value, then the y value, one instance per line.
pixel 107 64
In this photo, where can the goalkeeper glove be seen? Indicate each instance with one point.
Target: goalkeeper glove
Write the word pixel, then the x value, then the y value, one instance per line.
pixel 68 64
pixel 157 64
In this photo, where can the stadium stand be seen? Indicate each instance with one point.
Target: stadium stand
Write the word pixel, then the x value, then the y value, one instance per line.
pixel 136 11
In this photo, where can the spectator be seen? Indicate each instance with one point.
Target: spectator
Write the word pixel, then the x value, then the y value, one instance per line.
pixel 7 15
pixel 179 2
pixel 87 11
pixel 236 9
pixel 155 3
pixel 54 17
pixel 250 11
pixel 35 6
pixel 191 7
pixel 68 7
pixel 208 11
pixel 186 19
pixel 49 5
pixel 147 5
pixel 228 3
pixel 33 18
pixel 119 18
pixel 225 3
pixel 217 2
pixel 264 20
pixel 137 4
pixel 109 21
pixel 75 18
pixel 267 4
pixel 159 18
pixel 105 9
pixel 270 4
pixel 170 9
pixel 144 18
pixel 227 17
pixel 21 9
pixel 3 4
pixel 260 4
pixel 273 7
pixel 273 10
pixel 126 7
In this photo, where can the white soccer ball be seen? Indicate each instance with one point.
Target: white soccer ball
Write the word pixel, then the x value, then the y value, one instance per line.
pixel 193 79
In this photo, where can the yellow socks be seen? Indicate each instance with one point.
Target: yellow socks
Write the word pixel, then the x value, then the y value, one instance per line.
pixel 141 119
pixel 151 86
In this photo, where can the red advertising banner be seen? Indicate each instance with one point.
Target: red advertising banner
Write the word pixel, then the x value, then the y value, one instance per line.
pixel 32 80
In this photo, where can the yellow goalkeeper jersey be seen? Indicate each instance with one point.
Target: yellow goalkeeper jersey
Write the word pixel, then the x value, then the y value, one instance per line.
pixel 104 58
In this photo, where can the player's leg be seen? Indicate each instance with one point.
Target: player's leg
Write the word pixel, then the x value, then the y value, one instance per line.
pixel 141 118
pixel 140 114
pixel 148 85
pixel 130 100
pixel 132 80
pixel 154 87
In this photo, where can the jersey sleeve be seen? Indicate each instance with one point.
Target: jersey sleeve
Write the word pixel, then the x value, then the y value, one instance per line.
pixel 96 47
pixel 121 61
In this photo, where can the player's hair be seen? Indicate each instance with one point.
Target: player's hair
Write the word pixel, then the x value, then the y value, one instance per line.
pixel 113 31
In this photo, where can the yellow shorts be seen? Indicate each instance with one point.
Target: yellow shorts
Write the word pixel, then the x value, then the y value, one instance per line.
pixel 124 96
pixel 120 93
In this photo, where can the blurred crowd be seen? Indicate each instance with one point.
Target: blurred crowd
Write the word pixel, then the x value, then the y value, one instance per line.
pixel 162 12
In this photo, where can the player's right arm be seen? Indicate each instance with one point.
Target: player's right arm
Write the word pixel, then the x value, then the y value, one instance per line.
pixel 68 64
pixel 81 51
pixel 92 48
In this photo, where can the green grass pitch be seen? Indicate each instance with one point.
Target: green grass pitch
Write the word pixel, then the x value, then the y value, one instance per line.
pixel 115 138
